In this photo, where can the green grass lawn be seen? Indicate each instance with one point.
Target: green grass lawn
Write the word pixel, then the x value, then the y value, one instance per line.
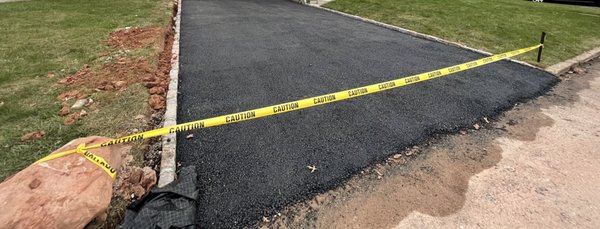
pixel 495 26
pixel 60 36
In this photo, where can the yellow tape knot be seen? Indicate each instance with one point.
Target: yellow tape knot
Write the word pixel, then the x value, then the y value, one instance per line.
pixel 82 150
pixel 97 160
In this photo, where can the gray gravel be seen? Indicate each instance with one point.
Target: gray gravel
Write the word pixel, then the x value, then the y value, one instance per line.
pixel 243 54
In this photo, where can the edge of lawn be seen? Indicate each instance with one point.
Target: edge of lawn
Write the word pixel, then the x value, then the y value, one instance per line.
pixel 564 41
pixel 31 89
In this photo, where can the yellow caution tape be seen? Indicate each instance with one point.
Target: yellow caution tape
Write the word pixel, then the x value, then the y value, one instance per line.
pixel 81 149
pixel 300 104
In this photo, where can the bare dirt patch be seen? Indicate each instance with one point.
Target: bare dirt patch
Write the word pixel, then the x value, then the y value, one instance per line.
pixel 535 165
pixel 133 181
pixel 109 76
pixel 432 179
pixel 133 38
pixel 160 85
pixel 33 135
pixel 118 75
pixel 70 94
pixel 113 79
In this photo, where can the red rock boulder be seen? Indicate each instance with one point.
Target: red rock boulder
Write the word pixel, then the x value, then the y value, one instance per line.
pixel 66 192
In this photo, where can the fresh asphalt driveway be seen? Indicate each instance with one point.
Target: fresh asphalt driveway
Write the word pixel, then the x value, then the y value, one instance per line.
pixel 243 54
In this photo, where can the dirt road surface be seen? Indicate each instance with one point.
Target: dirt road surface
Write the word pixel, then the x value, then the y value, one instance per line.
pixel 536 166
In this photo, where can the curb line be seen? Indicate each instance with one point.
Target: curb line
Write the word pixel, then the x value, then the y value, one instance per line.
pixel 564 66
pixel 168 165
pixel 416 34
pixel 555 69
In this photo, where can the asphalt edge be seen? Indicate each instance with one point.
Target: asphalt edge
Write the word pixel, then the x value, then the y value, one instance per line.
pixel 555 69
pixel 566 65
pixel 416 34
pixel 168 165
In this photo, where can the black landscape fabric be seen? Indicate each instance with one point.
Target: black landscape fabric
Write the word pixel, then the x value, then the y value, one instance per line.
pixel 172 206
pixel 244 54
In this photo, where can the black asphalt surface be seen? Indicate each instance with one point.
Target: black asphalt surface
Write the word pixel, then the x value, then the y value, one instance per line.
pixel 244 54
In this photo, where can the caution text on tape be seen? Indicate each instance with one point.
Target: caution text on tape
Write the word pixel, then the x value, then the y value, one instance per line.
pixel 287 107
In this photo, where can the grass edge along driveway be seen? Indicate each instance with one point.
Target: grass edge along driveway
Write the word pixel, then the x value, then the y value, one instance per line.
pixel 493 26
pixel 42 42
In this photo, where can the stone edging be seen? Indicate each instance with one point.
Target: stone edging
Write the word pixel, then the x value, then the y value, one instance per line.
pixel 556 69
pixel 416 34
pixel 168 165
pixel 564 66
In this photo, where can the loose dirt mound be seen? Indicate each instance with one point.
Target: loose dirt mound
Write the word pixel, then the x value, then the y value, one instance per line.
pixel 116 76
pixel 160 84
pixel 116 69
pixel 110 76
pixel 66 95
pixel 124 72
pixel 132 38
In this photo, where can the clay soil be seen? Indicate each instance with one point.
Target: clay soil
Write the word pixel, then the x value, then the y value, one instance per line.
pixel 133 38
pixel 117 75
pixel 535 166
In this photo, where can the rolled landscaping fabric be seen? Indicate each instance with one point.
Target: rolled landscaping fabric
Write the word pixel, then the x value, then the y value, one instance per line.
pixel 172 206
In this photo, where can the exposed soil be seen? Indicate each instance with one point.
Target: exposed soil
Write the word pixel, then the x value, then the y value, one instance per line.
pixel 160 85
pixel 33 136
pixel 158 92
pixel 133 38
pixel 119 74
pixel 111 76
pixel 116 75
pixel 536 165
pixel 133 181
pixel 70 94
